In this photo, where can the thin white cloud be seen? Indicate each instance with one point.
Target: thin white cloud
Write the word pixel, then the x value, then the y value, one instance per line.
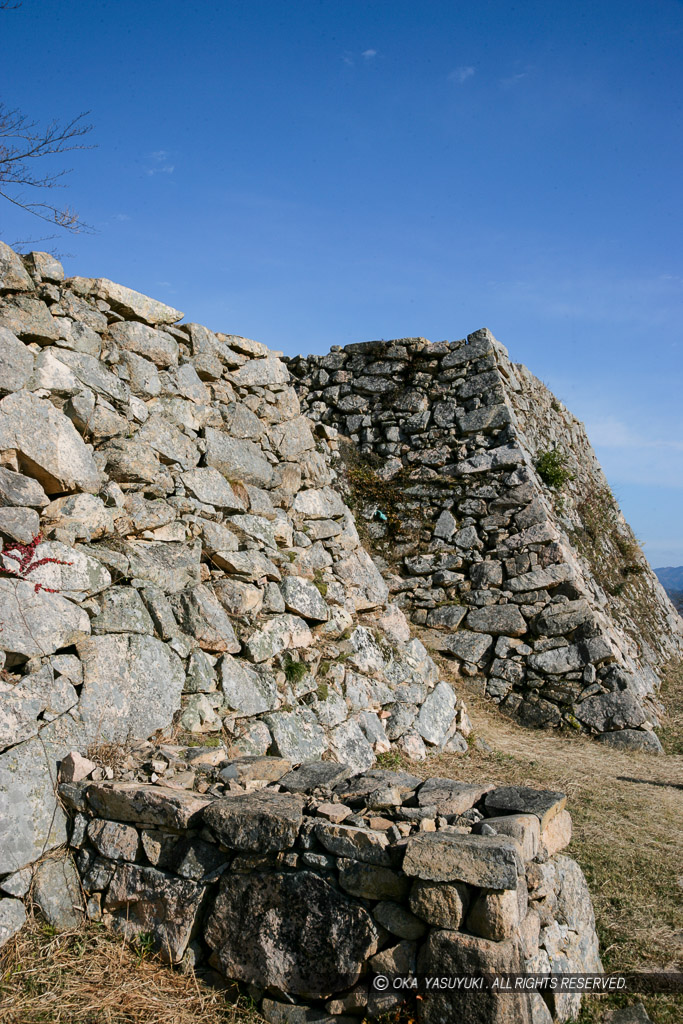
pixel 161 158
pixel 369 54
pixel 512 80
pixel 461 74
pixel 611 432
pixel 631 457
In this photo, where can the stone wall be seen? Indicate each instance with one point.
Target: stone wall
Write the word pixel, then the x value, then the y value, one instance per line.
pixel 542 590
pixel 175 560
pixel 307 884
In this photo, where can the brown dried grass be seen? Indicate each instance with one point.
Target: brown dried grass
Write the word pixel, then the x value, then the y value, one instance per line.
pixel 90 976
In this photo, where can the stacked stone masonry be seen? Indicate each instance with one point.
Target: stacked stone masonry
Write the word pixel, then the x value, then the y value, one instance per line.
pixel 541 591
pixel 309 883
pixel 197 645
pixel 175 559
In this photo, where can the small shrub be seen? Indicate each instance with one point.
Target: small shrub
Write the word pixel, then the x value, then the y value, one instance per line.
pixel 295 671
pixel 551 466
pixel 390 759
pixel 323 691
pixel 632 570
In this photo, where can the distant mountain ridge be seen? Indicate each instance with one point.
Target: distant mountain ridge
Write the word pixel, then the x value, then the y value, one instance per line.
pixel 671 578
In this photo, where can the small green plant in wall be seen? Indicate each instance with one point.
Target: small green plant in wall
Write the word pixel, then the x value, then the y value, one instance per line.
pixel 551 466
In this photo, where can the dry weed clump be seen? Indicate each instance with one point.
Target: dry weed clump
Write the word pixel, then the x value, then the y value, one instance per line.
pixel 90 976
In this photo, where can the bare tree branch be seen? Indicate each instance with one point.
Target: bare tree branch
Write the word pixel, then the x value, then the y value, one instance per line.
pixel 23 141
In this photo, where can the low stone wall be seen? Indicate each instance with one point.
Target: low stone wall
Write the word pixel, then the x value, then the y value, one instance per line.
pixel 307 883
pixel 541 589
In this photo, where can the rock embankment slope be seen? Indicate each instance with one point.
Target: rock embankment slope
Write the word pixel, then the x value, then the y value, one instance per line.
pixel 175 555
pixel 496 528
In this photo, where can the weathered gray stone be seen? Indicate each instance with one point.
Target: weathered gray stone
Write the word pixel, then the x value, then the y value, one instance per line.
pixel 260 373
pixel 131 461
pixel 211 487
pixel 297 735
pixel 359 844
pixel 45 266
pixel 131 303
pixel 50 449
pixel 36 622
pixel 252 565
pixel 19 490
pixel 436 714
pixel 371 881
pixel 494 915
pixel 143 376
pixel 609 711
pixel 450 954
pixel 170 443
pixel 262 769
pixel 446 617
pixel 237 459
pixel 359 573
pixel 351 745
pixel 315 775
pixel 301 597
pixel 201 615
pixel 131 685
pixel 293 438
pixel 450 796
pixel 13 275
pixel 82 516
pixel 544 803
pixel 145 901
pixel 91 372
pixel 443 904
pixel 525 828
pixel 29 318
pixel 170 566
pixel 147 804
pixel 20 524
pixel 498 619
pixel 16 362
pixel 70 572
pixel 399 921
pixel 12 912
pixel 490 861
pixel 122 612
pixel 468 646
pixel 57 891
pixel 292 932
pixel 280 633
pixel 246 690
pixel 156 346
pixel 28 704
pixel 256 822
pixel 319 504
pixel 632 739
pixel 113 840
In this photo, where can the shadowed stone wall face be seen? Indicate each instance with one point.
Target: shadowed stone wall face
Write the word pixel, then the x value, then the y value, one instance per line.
pixel 542 589
pixel 310 883
pixel 196 572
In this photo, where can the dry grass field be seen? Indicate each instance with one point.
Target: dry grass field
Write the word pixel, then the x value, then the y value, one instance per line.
pixel 628 838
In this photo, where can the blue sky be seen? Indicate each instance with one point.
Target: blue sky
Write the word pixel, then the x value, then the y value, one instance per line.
pixel 318 172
